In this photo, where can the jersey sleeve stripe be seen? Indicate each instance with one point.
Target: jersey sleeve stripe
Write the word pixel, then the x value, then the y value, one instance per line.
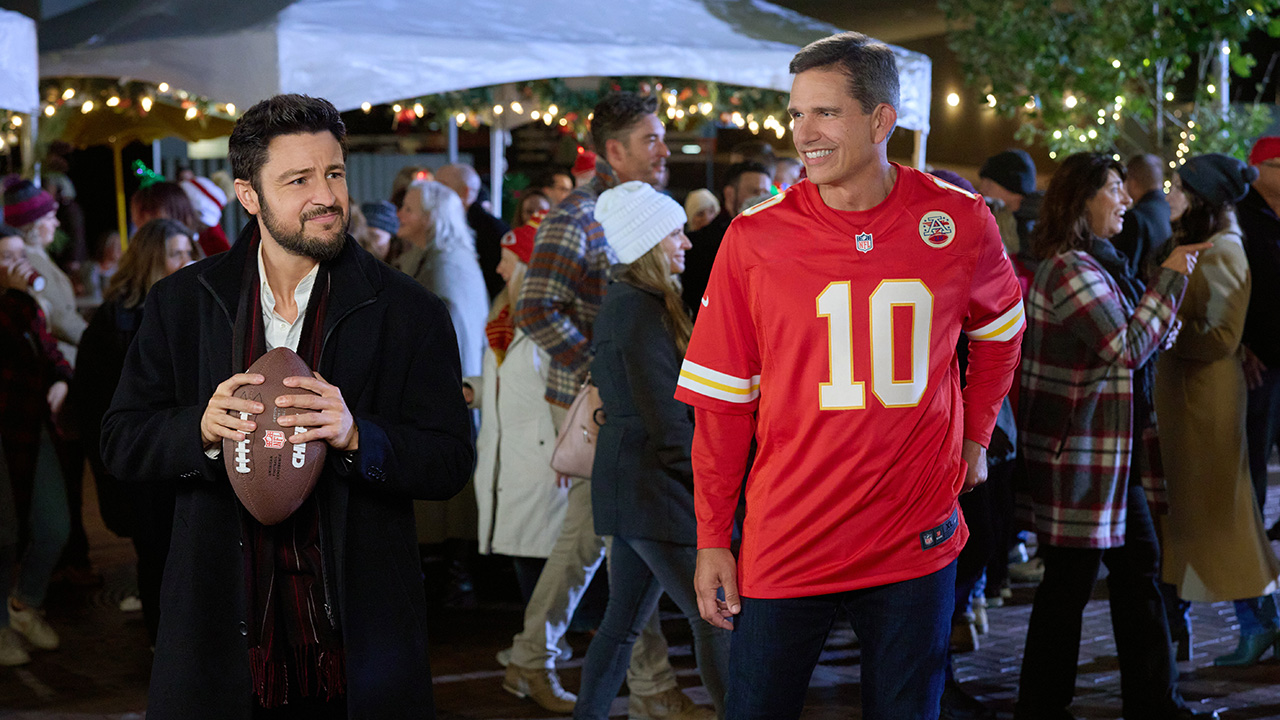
pixel 1003 327
pixel 718 385
pixel 716 390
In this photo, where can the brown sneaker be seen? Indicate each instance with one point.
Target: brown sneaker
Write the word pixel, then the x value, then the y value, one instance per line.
pixel 540 685
pixel 668 705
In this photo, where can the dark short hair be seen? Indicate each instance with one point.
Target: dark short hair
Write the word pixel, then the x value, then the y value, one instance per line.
pixel 547 178
pixel 737 170
pixel 616 114
pixel 1064 221
pixel 869 65
pixel 166 200
pixel 280 115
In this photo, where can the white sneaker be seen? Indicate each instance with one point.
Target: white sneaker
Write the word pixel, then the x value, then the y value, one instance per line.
pixel 11 651
pixel 32 625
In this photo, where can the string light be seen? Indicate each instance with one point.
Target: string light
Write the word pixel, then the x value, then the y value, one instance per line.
pixel 991 100
pixel 1115 64
pixel 17 121
pixel 396 108
pixel 418 110
pixel 49 111
pixel 1169 96
pixel 113 101
pixel 953 99
pixel 366 107
pixel 1211 88
pixel 460 118
pixel 535 114
pixel 497 110
pixel 87 107
pixel 552 110
pixel 163 87
pixel 1070 101
pixel 517 108
pixel 192 112
pixel 145 102
pixel 68 93
pixel 231 108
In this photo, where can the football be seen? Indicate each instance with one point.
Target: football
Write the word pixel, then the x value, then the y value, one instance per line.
pixel 272 476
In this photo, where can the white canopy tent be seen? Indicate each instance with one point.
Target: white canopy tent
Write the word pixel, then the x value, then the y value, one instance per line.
pixel 377 51
pixel 19 81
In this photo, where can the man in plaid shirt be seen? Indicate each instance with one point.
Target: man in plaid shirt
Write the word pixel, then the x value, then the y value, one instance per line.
pixel 558 303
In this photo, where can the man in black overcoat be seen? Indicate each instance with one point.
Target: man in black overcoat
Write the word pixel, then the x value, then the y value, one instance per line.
pixel 323 615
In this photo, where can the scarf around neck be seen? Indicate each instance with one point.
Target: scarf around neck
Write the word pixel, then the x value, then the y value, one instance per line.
pixel 295 645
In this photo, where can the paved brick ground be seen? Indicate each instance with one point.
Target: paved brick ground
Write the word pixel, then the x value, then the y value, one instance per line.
pixel 101 672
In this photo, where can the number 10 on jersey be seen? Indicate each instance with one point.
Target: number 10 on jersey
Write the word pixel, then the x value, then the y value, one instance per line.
pixel 843 392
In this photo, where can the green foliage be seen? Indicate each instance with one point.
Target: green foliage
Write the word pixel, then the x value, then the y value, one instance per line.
pixel 1094 74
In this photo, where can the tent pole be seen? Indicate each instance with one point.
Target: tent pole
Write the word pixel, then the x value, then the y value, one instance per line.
pixel 918 156
pixel 497 166
pixel 27 143
pixel 155 157
pixel 118 162
pixel 452 147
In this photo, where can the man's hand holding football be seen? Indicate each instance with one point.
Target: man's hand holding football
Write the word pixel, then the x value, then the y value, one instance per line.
pixel 330 419
pixel 221 419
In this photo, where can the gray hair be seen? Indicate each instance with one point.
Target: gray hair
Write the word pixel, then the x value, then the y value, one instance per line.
pixel 448 217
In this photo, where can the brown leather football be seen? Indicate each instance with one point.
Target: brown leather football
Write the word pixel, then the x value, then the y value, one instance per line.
pixel 272 476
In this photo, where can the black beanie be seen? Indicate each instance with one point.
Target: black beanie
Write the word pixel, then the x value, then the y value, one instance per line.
pixel 1011 170
pixel 1218 178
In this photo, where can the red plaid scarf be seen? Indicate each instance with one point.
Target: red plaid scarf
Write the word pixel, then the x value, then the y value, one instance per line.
pixel 295 646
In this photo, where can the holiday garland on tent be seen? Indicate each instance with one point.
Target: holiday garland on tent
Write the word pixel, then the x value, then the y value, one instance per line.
pixel 567 104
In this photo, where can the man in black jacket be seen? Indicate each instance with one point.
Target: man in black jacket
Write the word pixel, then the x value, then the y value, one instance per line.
pixel 745 180
pixel 1146 227
pixel 1259 216
pixel 388 403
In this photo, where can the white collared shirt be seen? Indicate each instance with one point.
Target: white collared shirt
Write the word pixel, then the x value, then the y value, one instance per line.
pixel 280 332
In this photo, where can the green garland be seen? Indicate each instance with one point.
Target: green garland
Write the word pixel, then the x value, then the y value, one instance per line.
pixel 684 104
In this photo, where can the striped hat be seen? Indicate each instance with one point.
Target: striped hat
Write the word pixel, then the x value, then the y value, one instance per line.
pixel 520 240
pixel 24 203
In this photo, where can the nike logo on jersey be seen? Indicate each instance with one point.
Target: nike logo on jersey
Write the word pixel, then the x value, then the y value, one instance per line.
pixel 704 301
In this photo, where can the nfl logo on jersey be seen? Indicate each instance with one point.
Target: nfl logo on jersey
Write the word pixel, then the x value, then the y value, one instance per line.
pixel 863 242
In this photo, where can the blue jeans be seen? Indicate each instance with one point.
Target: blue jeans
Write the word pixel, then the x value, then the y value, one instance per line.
pixel 50 524
pixel 1262 428
pixel 903 627
pixel 639 571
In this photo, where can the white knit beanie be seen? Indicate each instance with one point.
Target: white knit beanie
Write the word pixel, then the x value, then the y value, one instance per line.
pixel 636 217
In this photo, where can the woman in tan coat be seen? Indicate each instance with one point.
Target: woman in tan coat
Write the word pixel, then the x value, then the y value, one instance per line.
pixel 1215 547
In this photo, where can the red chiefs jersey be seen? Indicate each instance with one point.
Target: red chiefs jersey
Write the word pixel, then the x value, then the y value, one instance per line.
pixel 839 330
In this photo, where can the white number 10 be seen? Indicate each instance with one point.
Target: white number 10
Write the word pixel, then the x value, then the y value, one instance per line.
pixel 845 393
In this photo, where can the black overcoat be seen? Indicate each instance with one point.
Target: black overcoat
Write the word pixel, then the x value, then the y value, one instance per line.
pixel 388 344
pixel 642 477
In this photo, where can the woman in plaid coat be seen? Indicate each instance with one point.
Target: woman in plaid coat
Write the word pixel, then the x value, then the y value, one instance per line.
pixel 1085 424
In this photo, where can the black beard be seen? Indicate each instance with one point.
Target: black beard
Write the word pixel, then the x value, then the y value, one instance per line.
pixel 318 249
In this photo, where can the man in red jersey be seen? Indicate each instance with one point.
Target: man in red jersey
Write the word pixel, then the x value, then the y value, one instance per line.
pixel 828 333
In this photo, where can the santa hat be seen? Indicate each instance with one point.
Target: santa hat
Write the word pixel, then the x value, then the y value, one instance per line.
pixel 1265 149
pixel 520 240
pixel 585 164
pixel 207 198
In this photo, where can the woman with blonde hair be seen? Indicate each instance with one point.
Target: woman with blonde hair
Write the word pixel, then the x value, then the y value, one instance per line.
pixel 642 477
pixel 140 511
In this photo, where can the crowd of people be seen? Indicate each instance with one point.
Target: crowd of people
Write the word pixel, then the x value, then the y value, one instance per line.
pixel 787 430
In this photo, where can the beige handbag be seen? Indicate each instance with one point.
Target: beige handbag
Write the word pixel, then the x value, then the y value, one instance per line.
pixel 576 444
